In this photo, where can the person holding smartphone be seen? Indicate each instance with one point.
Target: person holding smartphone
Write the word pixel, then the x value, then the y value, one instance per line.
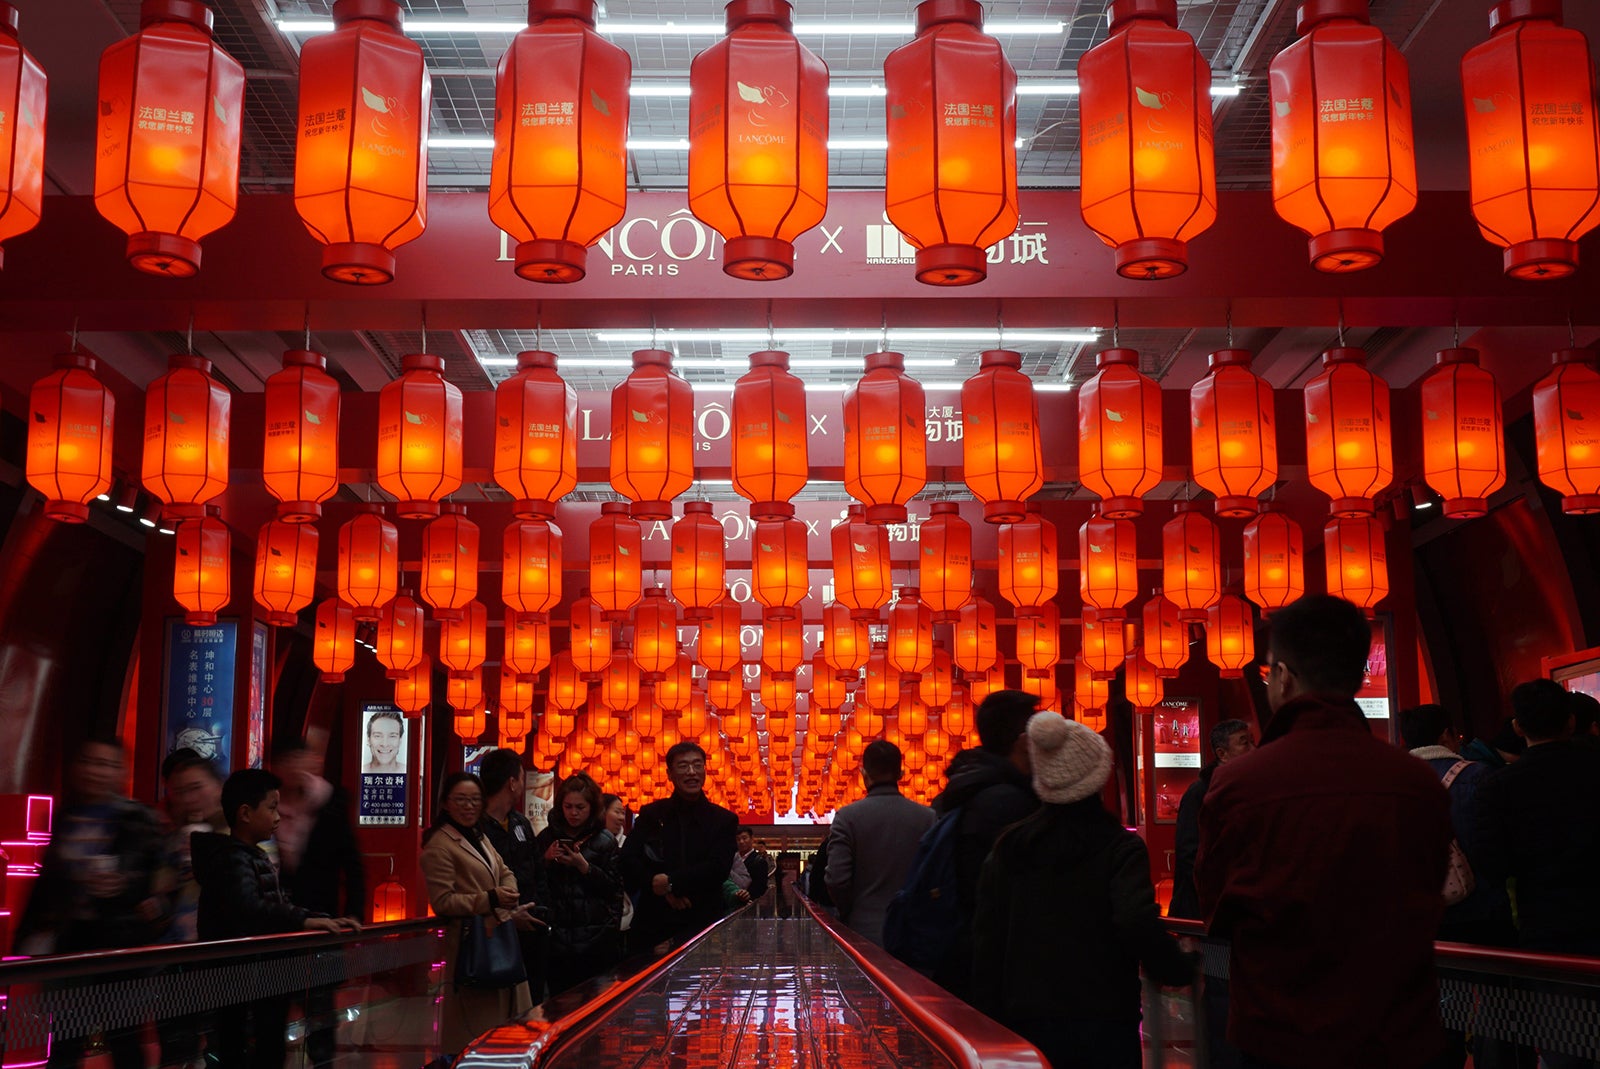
pixel 580 882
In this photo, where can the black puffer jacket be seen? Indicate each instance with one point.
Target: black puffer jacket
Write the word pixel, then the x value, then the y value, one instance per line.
pixel 585 908
pixel 239 890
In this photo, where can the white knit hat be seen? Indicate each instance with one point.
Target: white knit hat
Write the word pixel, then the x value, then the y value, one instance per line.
pixel 1070 762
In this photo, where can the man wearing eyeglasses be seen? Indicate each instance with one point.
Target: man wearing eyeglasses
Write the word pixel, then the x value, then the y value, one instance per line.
pixel 678 855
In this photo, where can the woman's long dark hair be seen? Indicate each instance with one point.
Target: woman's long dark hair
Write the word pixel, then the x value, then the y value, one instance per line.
pixel 580 783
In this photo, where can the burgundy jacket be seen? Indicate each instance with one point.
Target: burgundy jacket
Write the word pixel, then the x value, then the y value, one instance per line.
pixel 1322 857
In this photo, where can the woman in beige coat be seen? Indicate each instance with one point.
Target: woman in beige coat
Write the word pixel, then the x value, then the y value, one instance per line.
pixel 466 878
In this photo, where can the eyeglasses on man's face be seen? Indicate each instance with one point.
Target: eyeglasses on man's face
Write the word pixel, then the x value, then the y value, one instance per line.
pixel 688 768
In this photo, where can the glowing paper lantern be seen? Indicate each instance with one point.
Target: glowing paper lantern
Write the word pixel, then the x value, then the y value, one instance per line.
pixel 655 634
pixel 1028 568
pixel 464 639
pixel 168 179
pixel 1149 172
pixel 470 721
pixel 1343 161
pixel 22 89
pixel 449 563
pixel 952 123
pixel 1357 561
pixel 944 560
pixel 782 643
pixel 530 573
pixel 938 678
pixel 1001 458
pixel 413 690
pixel 419 437
pixel 1274 559
pixel 286 570
pixel 1142 685
pixel 559 177
pixel 769 436
pixel 652 435
pixel 881 686
pixel 368 562
pixel 1119 434
pixel 1566 428
pixel 186 415
pixel 846 641
pixel 975 649
pixel 526 644
pixel 1039 639
pixel 300 447
pixel 778 694
pixel 1191 562
pixel 536 436
pixel 619 686
pixel 361 165
pixel 1535 155
pixel 780 575
pixel 70 429
pixel 1463 440
pixel 699 560
pixel 675 688
pixel 910 636
pixel 590 636
pixel 861 567
pixel 1233 435
pixel 1166 636
pixel 333 646
pixel 1091 693
pixel 400 631
pixel 1103 644
pixel 1230 636
pixel 1348 452
pixel 1042 685
pixel 616 549
pixel 568 689
pixel 718 649
pixel 758 139
pixel 202 580
pixel 516 703
pixel 885 439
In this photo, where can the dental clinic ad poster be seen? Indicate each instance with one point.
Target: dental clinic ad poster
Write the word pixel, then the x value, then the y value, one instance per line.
pixel 197 689
pixel 384 781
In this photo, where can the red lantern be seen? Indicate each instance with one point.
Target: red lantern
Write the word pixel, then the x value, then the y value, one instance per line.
pixel 300 449
pixel 975 650
pixel 861 565
pixel 1142 685
pixel 881 688
pixel 957 716
pixel 1230 636
pixel 449 563
pixel 419 437
pixel 616 549
pixel 1191 562
pixel 1039 639
pixel 782 643
pixel 778 695
pixel 1233 435
pixel 568 689
pixel 1357 562
pixel 619 686
pixel 186 414
pixel 699 560
pixel 1090 692
pixel 758 139
pixel 938 678
pixel 1343 162
pixel 471 719
pixel 952 164
pixel 69 436
pixel 1274 559
pixel 1535 180
pixel 779 566
pixel 526 645
pixel 590 631
pixel 368 566
pixel 361 167
pixel 202 579
pixel 910 636
pixel 413 689
pixel 516 704
pixel 655 634
pixel 530 564
pixel 769 436
pixel 1348 451
pixel 1166 636
pixel 1001 458
pixel 828 691
pixel 1463 442
pixel 719 649
pixel 167 158
pixel 1566 427
pixel 1042 685
pixel 1103 645
pixel 675 688
pixel 1119 434
pixel 536 436
pixel 1149 174
pixel 1029 574
pixel 885 439
pixel 286 570
pixel 944 563
pixel 692 715
pixel 559 179
pixel 400 631
pixel 464 639
pixel 333 647
pixel 22 94
pixel 652 435
pixel 846 641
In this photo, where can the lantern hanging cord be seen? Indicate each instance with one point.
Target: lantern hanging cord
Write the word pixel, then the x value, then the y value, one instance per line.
pixel 538 326
pixel 999 326
pixel 883 327
pixel 424 328
pixel 653 342
pixel 772 338
pixel 74 333
pixel 1455 329
pixel 1341 324
pixel 308 328
pixel 189 336
pixel 1116 325
pixel 1230 325
pixel 1572 335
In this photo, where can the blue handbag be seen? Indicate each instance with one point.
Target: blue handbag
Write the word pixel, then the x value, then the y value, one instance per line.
pixel 489 959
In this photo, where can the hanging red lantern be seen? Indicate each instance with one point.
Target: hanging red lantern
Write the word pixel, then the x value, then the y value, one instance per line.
pixel 1191 562
pixel 910 636
pixel 1001 458
pixel 1042 685
pixel 770 458
pixel 778 695
pixel 1103 646
pixel 1463 440
pixel 400 631
pixel 938 678
pixel 1090 692
pixel 449 563
pixel 1149 172
pixel 1166 636
pixel 1233 434
pixel 981 686
pixel 1230 636
pixel 464 639
pixel 975 650
pixel 419 437
pixel 828 691
pixel 470 721
pixel 1142 685
pixel 782 643
pixel 1274 559
pixel 1119 434
pixel 652 435
pixel 516 704
pixel 333 647
pixel 780 570
pixel 1343 162
pixel 1535 155
pixel 526 644
pixel 559 178
pixel 655 634
pixel 944 562
pixel 846 641
pixel 368 567
pixel 590 636
pixel 692 715
pixel 413 689
pixel 619 686
pixel 167 158
pixel 957 717
pixel 1028 567
pixel 186 416
pixel 1566 428
pixel 361 166
pixel 885 439
pixel 1348 452
pixel 286 570
pixel 881 686
pixel 70 433
pixel 758 139
pixel 202 579
pixel 530 566
pixel 1356 559
pixel 699 560
pixel 616 549
pixel 675 688
pixel 952 124
pixel 23 90
pixel 300 447
pixel 719 648
pixel 1039 639
pixel 861 566
pixel 568 689
pixel 536 436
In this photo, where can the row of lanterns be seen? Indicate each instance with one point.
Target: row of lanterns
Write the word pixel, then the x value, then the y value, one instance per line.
pixel 1343 164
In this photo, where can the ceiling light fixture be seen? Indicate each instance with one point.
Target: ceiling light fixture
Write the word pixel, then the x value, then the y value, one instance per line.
pixel 127 497
pixel 505 27
pixel 150 513
pixel 896 334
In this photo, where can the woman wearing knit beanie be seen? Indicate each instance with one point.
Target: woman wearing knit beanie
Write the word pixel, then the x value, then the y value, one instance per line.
pixel 1066 914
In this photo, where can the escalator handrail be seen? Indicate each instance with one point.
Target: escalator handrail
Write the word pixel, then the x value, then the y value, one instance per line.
pixel 163 956
pixel 967 1037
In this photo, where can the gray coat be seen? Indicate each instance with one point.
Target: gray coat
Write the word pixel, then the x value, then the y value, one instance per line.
pixel 870 851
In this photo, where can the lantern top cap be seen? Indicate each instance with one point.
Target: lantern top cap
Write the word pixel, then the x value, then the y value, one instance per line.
pixel 304 358
pixel 9 19
pixel 1186 508
pixel 614 508
pixel 744 12
pixel 67 361
pixel 1313 13
pixel 192 12
pixel 1122 12
pixel 422 362
pixel 655 592
pixel 385 11
pixel 538 358
pixel 1573 356
pixel 652 358
pixel 1000 358
pixel 189 362
pixel 1231 358
pixel 946 508
pixel 1510 12
pixel 700 507
pixel 1117 357
pixel 1446 357
pixel 769 358
pixel 909 593
pixel 540 10
pixel 931 13
pixel 1344 354
pixel 885 359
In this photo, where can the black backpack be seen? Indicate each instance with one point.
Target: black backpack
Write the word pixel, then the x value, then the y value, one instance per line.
pixel 924 918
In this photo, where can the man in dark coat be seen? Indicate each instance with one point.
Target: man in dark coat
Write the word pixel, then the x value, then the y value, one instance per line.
pixel 1323 857
pixel 873 843
pixel 679 853
pixel 511 834
pixel 1229 739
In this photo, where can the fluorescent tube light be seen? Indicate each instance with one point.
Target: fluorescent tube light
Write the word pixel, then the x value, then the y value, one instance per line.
pixel 422 26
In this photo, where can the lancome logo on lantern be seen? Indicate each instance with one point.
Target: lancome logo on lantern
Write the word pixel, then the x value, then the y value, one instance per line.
pixel 645 246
